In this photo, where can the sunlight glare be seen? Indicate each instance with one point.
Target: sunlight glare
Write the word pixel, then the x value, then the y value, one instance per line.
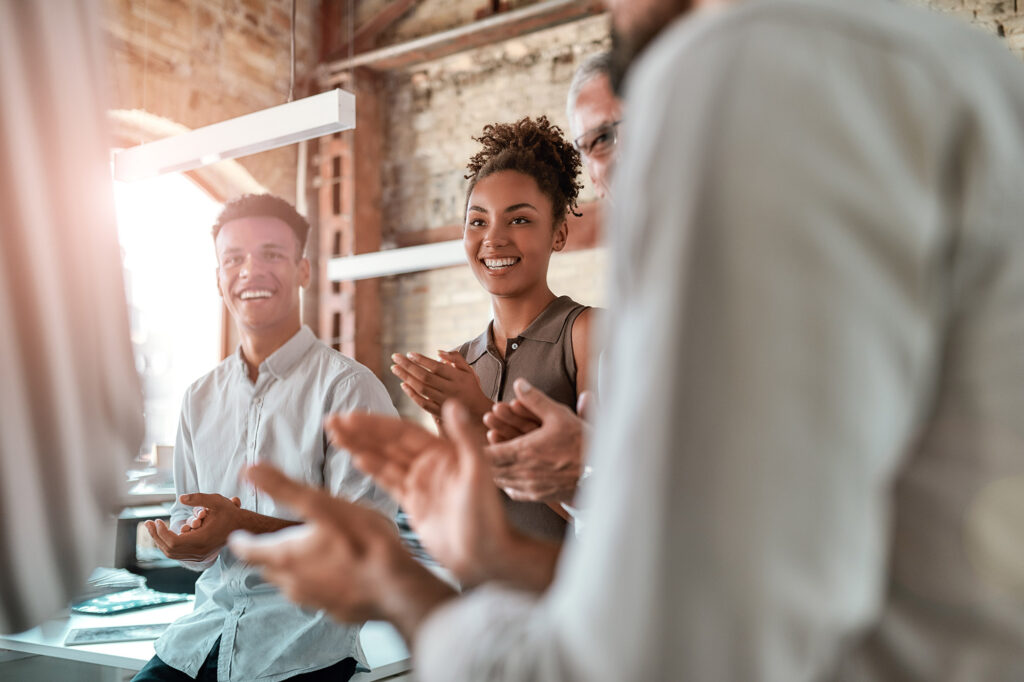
pixel 170 267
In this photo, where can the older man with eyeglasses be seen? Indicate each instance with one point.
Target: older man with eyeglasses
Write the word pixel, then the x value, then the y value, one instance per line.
pixel 594 114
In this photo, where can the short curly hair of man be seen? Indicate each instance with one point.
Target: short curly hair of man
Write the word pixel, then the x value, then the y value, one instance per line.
pixel 535 148
pixel 264 206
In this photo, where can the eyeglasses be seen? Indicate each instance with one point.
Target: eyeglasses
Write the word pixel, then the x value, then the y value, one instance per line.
pixel 598 141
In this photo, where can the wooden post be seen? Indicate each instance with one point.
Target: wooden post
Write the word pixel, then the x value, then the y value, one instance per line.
pixel 350 223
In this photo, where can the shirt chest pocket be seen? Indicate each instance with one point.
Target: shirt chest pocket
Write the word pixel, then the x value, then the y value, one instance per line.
pixel 293 443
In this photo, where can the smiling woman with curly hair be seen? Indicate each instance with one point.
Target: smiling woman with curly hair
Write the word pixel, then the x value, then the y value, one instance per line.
pixel 522 186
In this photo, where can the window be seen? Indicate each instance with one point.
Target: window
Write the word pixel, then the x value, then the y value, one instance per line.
pixel 170 274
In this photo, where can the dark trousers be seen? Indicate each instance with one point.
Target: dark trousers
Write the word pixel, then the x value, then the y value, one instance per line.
pixel 158 671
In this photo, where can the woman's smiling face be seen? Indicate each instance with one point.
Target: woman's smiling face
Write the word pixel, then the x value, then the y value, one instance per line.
pixel 510 233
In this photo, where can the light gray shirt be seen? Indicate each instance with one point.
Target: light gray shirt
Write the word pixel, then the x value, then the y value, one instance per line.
pixel 227 423
pixel 810 459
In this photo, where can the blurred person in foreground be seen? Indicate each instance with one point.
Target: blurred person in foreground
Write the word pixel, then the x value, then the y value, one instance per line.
pixel 810 459
pixel 71 410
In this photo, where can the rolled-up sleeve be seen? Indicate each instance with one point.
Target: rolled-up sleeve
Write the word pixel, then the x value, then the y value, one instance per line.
pixel 186 479
pixel 359 391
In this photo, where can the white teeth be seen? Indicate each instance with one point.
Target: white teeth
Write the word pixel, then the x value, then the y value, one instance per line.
pixel 495 263
pixel 254 293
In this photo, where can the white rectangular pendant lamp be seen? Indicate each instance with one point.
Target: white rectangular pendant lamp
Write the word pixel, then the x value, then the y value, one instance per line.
pixel 396 261
pixel 260 131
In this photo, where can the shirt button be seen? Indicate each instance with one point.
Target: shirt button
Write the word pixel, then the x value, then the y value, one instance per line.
pixel 515 345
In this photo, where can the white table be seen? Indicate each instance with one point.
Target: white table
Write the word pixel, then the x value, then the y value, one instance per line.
pixel 385 651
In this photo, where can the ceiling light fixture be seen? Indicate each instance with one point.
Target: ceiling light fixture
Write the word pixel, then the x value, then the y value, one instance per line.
pixel 323 114
pixel 396 261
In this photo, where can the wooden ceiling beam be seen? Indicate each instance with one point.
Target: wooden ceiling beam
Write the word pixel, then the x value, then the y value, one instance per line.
pixel 496 28
pixel 364 36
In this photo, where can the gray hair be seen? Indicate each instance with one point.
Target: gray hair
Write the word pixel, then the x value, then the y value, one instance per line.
pixel 599 64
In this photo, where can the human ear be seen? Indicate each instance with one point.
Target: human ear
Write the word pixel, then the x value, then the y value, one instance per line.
pixel 561 236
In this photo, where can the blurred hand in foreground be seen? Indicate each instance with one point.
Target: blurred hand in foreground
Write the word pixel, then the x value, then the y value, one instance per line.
pixel 446 488
pixel 346 559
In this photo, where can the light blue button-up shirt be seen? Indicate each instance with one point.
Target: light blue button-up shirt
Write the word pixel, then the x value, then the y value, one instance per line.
pixel 227 423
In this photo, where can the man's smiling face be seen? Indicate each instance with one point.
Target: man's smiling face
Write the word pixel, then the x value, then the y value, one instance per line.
pixel 260 272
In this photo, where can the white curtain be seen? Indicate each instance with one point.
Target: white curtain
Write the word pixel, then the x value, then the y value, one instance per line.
pixel 70 400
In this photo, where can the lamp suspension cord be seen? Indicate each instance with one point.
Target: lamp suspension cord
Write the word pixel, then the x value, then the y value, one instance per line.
pixel 291 82
pixel 351 32
pixel 145 58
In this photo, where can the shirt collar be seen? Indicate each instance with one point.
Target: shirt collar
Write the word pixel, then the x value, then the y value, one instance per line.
pixel 545 327
pixel 282 360
pixel 478 346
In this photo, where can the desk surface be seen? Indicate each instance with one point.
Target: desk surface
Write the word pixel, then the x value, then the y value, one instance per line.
pixel 385 651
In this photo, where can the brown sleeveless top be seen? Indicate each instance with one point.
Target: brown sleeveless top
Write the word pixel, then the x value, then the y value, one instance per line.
pixel 541 354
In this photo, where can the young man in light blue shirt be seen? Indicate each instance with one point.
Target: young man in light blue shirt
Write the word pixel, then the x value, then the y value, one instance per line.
pixel 264 403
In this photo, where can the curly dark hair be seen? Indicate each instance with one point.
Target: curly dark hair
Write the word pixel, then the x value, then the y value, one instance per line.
pixel 264 206
pixel 535 148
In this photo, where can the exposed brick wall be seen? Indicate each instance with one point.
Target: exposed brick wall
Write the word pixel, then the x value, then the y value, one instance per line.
pixel 431 16
pixel 435 109
pixel 1003 18
pixel 198 62
pixel 208 60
